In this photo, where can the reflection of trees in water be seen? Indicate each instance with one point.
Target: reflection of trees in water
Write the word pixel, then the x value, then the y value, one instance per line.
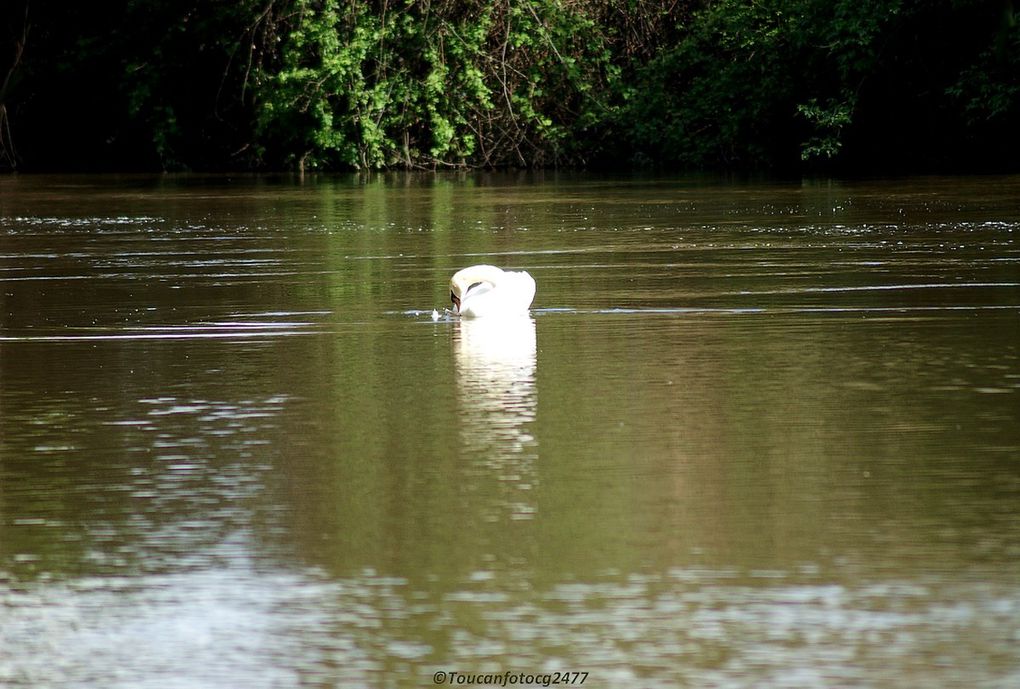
pixel 496 383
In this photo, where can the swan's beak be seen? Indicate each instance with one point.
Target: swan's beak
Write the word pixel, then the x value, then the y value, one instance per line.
pixel 456 303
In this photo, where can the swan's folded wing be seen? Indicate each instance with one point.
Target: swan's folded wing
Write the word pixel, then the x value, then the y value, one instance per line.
pixel 522 287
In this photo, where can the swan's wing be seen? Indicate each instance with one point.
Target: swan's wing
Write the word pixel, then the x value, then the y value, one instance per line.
pixel 511 295
pixel 521 289
pixel 477 290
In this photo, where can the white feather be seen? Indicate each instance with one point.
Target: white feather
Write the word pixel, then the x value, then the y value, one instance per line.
pixel 486 291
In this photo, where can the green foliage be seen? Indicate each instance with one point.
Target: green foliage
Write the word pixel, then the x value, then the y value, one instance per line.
pixel 730 90
pixel 712 96
pixel 829 121
pixel 374 84
pixel 421 84
pixel 989 89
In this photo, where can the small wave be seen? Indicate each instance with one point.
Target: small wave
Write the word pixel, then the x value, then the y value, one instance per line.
pixel 210 331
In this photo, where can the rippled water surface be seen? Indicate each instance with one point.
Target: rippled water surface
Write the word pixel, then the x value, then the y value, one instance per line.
pixel 751 435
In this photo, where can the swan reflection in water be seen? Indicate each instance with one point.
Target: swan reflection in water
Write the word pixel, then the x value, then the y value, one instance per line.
pixel 496 362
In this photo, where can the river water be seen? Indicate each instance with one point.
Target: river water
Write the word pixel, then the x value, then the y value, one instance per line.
pixel 753 434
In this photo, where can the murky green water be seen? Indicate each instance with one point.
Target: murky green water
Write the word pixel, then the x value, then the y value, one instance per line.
pixel 752 435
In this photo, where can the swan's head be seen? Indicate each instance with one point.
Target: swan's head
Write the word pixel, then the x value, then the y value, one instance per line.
pixel 472 281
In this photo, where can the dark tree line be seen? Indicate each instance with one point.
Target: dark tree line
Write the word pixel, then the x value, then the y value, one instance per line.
pixel 785 85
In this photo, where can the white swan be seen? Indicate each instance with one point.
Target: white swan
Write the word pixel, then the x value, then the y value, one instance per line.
pixel 484 290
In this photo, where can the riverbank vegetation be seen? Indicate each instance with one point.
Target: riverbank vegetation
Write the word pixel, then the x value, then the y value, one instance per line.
pixel 783 85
